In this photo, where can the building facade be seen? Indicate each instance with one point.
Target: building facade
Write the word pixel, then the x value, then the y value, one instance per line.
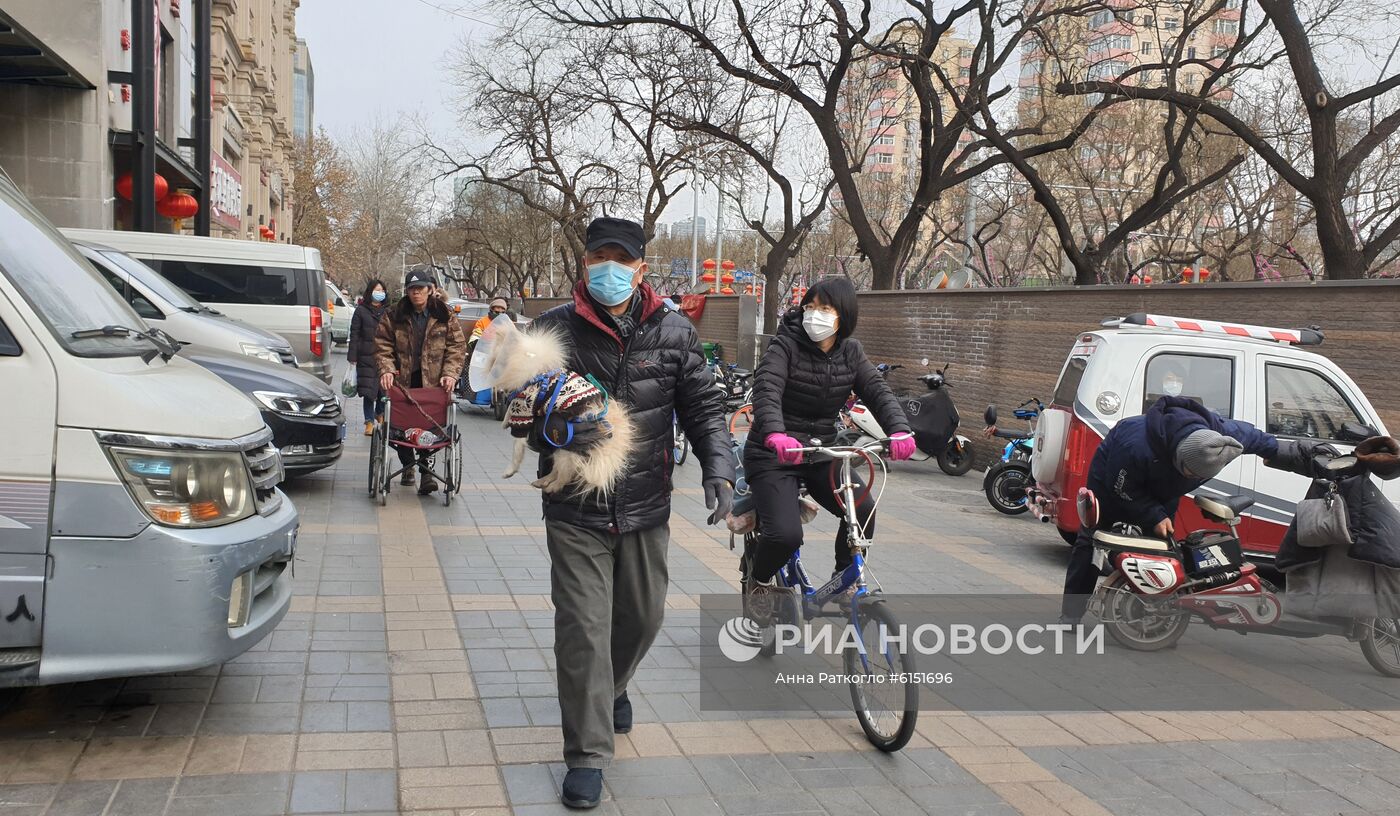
pixel 304 92
pixel 254 89
pixel 66 114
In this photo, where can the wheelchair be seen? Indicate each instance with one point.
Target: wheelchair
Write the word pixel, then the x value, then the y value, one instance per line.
pixel 429 409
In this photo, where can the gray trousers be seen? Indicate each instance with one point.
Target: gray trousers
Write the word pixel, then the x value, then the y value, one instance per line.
pixel 609 593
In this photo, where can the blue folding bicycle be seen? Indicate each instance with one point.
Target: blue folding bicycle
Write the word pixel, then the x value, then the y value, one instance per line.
pixel 881 672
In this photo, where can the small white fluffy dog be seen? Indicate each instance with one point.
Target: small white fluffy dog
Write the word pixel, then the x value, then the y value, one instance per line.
pixel 591 435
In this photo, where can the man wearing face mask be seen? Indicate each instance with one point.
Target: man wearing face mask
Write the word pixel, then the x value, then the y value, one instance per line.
pixel 608 573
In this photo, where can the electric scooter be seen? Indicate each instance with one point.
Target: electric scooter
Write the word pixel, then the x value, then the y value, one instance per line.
pixel 933 419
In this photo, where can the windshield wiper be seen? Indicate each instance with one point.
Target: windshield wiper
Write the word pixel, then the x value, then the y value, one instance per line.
pixel 163 347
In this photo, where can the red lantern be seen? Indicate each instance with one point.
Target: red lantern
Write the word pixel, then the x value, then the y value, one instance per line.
pixel 726 277
pixel 178 205
pixel 708 265
pixel 726 291
pixel 727 265
pixel 266 233
pixel 124 184
pixel 708 277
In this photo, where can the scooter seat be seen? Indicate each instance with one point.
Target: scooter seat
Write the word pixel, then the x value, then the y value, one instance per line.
pixel 1223 508
pixel 741 372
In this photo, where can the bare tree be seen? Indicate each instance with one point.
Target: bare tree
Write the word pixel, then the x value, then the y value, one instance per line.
pixel 1349 136
pixel 321 204
pixel 825 57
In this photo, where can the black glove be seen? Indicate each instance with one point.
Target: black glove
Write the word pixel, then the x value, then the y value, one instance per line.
pixel 719 497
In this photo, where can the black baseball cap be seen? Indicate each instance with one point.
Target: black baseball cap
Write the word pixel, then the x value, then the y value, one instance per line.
pixel 418 277
pixel 626 234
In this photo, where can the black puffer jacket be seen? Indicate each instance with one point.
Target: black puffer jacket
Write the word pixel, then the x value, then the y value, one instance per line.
pixel 799 390
pixel 363 326
pixel 656 370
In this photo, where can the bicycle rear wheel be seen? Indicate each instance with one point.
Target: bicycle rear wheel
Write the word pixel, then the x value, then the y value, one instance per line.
pixel 887 703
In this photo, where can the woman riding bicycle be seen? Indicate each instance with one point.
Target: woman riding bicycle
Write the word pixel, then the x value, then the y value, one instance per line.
pixel 802 381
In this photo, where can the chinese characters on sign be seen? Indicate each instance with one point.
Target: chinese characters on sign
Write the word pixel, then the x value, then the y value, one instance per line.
pixel 225 193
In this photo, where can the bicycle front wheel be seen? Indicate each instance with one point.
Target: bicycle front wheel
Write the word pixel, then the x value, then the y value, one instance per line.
pixel 883 691
pixel 742 420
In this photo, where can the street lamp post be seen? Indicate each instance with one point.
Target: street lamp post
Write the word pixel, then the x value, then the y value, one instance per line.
pixel 694 233
pixel 719 224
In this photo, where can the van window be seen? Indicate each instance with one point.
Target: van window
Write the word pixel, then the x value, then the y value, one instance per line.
pixel 1207 380
pixel 138 301
pixel 59 285
pixel 211 282
pixel 1068 388
pixel 1304 403
pixel 147 277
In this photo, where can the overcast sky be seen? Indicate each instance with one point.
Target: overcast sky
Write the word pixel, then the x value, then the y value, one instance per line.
pixel 388 58
pixel 384 58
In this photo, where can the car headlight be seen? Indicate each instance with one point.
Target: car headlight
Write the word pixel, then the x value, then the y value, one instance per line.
pixel 187 488
pixel 261 352
pixel 290 404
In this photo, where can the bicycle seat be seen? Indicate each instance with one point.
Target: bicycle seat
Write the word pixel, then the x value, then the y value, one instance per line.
pixel 1223 508
pixel 740 372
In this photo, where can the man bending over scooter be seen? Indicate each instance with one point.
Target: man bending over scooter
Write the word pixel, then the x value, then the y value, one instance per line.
pixel 1143 468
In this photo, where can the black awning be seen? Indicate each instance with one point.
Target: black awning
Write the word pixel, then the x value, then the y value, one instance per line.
pixel 171 165
pixel 23 58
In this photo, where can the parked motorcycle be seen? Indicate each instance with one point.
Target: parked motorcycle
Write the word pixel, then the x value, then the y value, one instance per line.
pixel 1007 480
pixel 932 417
pixel 1155 587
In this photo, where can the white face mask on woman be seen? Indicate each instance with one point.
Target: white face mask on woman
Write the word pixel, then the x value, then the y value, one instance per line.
pixel 819 323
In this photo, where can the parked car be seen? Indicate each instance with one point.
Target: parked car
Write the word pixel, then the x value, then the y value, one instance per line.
pixel 1261 375
pixel 167 307
pixel 340 311
pixel 143 529
pixel 278 287
pixel 308 425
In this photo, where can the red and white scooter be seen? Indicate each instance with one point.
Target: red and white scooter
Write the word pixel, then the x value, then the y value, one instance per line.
pixel 1154 587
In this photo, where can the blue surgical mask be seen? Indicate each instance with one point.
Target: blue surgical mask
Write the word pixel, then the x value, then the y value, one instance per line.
pixel 610 283
pixel 378 297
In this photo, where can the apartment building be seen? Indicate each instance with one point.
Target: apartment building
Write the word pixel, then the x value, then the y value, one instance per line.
pixel 880 115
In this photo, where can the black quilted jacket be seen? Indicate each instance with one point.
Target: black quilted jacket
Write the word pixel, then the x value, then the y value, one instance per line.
pixel 658 369
pixel 799 390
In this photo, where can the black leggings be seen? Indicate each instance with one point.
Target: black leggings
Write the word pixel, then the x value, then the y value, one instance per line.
pixel 775 493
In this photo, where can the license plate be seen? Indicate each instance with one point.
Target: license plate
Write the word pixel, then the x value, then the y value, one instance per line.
pixel 1100 558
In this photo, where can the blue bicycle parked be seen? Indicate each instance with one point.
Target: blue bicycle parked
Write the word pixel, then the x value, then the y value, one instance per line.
pixel 887 707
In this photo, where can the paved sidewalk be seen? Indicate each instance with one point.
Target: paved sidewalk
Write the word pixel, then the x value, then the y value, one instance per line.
pixel 413 675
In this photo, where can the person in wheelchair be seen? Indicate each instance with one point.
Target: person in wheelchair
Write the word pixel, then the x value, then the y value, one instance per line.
pixel 1142 469
pixel 419 344
pixel 801 384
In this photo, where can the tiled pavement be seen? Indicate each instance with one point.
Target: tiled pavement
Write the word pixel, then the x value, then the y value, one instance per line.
pixel 413 675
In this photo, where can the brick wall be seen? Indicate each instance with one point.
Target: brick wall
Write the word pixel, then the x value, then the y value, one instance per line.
pixel 1007 345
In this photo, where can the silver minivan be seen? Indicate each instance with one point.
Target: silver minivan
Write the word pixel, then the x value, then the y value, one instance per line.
pixel 141 528
pixel 278 287
pixel 168 307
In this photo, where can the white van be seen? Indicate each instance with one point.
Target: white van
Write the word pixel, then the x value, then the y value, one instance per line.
pixel 169 308
pixel 340 313
pixel 1264 376
pixel 141 529
pixel 278 287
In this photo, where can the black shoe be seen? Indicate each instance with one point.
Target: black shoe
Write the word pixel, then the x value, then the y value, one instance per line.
pixel 428 487
pixel 583 788
pixel 407 478
pixel 622 714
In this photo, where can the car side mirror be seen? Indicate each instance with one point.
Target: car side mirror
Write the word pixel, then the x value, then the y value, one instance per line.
pixel 1356 432
pixel 990 417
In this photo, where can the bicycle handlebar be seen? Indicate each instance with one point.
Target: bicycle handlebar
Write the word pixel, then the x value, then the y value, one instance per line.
pixel 846 451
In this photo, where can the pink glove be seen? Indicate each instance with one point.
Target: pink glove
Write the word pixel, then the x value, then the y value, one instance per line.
pixel 902 446
pixel 786 447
